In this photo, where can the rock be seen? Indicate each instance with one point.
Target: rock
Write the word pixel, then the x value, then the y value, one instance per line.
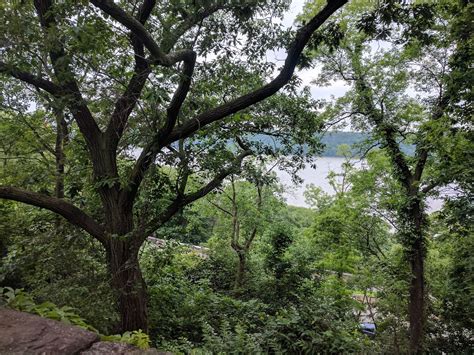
pixel 107 347
pixel 24 333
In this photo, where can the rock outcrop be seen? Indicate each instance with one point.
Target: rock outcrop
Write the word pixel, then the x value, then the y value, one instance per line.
pixel 24 333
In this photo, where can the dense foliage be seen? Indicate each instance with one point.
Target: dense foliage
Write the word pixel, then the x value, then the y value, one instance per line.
pixel 152 129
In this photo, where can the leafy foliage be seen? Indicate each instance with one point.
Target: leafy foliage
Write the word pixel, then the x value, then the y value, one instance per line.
pixel 137 338
pixel 267 277
pixel 22 301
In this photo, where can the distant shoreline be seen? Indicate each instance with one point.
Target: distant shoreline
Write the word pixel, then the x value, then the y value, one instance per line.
pixel 332 140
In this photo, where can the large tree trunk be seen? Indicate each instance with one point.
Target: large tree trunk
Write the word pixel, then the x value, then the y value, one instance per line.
pixel 126 277
pixel 128 282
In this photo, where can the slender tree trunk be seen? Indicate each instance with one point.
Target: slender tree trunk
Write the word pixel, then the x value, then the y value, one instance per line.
pixel 417 300
pixel 128 282
pixel 416 253
pixel 61 139
pixel 241 269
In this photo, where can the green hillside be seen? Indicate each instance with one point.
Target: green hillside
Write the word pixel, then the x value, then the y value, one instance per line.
pixel 332 140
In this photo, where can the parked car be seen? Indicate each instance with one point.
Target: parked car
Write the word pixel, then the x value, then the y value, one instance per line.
pixel 368 329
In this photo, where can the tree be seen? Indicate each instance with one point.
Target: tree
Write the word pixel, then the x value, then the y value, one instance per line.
pixel 345 231
pixel 247 207
pixel 123 71
pixel 398 92
pixel 450 272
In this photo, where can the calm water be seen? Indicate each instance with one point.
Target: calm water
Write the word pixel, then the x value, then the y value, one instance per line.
pixel 318 177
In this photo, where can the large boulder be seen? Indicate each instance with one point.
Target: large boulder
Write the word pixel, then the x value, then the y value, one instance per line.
pixel 24 333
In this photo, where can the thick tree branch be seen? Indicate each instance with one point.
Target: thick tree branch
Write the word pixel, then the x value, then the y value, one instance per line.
pixel 137 28
pixel 145 10
pixel 28 78
pixel 147 156
pixel 64 74
pixel 66 209
pixel 196 123
pixel 386 130
pixel 422 155
pixel 302 37
pixel 179 96
pixel 430 187
pixel 142 16
pixel 423 152
pixel 126 103
pixel 388 134
pixel 396 155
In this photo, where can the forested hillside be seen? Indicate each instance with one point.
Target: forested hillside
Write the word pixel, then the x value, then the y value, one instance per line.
pixel 331 142
pixel 138 196
pixel 355 140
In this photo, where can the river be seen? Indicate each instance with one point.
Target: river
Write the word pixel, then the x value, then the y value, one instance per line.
pixel 294 194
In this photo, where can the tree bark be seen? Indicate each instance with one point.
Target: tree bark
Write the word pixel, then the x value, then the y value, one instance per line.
pixel 127 281
pixel 417 300
pixel 416 305
pixel 61 138
pixel 122 256
pixel 415 219
pixel 60 206
pixel 241 269
pixel 412 215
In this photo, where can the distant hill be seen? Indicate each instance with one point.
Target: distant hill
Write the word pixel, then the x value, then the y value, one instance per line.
pixel 332 140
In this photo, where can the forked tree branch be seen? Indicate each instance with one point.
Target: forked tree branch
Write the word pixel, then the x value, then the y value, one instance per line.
pixel 66 209
pixel 131 23
pixel 126 103
pixel 137 28
pixel 198 122
pixel 386 130
pixel 191 20
pixel 64 74
pixel 146 158
pixel 301 39
pixel 184 200
pixel 422 152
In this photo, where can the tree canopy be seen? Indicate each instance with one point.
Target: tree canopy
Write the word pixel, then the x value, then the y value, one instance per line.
pixel 143 141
